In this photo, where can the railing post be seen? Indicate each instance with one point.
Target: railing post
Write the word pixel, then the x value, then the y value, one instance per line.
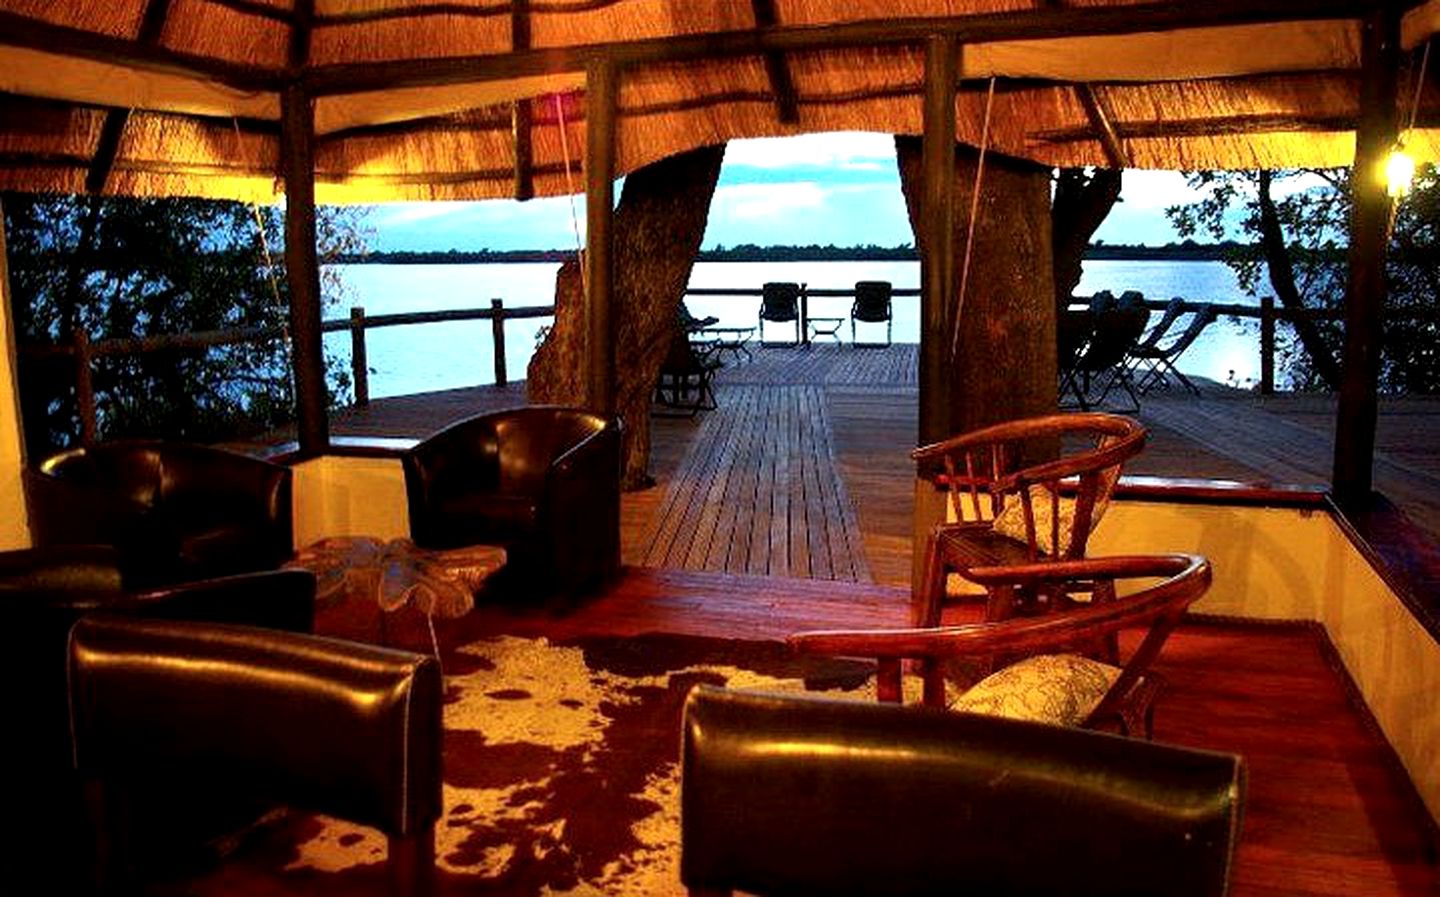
pixel 85 389
pixel 497 328
pixel 804 315
pixel 359 364
pixel 1267 345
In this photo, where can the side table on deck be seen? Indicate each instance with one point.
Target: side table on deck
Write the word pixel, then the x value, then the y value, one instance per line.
pixel 399 574
pixel 725 339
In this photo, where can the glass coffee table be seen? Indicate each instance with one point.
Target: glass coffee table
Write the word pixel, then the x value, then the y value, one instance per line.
pixel 397 573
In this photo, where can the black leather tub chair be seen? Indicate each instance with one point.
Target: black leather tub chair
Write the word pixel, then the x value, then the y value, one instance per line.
pixel 788 795
pixel 541 481
pixel 43 592
pixel 340 728
pixel 175 511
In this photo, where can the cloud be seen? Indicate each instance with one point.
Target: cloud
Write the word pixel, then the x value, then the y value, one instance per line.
pixel 855 150
pixel 750 201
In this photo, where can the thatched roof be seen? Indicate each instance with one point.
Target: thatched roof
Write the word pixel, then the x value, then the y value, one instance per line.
pixel 421 99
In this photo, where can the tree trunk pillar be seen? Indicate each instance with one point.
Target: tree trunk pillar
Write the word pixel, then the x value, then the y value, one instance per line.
pixel 1003 365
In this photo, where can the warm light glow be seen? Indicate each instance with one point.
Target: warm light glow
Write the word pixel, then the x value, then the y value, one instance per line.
pixel 1399 173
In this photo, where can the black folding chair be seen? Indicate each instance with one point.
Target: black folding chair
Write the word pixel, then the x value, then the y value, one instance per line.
pixel 871 306
pixel 1101 367
pixel 780 304
pixel 1159 361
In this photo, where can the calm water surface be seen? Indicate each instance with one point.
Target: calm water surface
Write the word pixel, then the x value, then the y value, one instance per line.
pixel 429 357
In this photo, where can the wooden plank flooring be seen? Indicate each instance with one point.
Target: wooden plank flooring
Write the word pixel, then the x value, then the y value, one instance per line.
pixel 1328 812
pixel 861 413
pixel 759 492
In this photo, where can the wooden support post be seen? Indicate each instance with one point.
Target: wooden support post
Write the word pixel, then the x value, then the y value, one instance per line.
pixel 1267 345
pixel 521 115
pixel 359 364
pixel 497 330
pixel 937 256
pixel 602 80
pixel 302 269
pixel 803 325
pixel 85 389
pixel 1369 231
pixel 935 237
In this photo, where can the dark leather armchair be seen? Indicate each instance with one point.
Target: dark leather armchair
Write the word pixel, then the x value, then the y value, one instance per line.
pixel 541 481
pixel 336 727
pixel 791 795
pixel 174 511
pixel 43 592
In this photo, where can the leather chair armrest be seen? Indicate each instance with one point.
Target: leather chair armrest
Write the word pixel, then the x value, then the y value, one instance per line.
pixel 61 569
pixel 274 599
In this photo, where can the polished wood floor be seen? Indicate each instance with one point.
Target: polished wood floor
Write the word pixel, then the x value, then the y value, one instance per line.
pixel 803 464
pixel 1328 811
pixel 850 425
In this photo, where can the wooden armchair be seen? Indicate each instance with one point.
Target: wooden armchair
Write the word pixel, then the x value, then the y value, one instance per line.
pixel 1019 492
pixel 1056 642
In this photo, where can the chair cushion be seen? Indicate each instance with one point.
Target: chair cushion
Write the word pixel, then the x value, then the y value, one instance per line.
pixel 1061 689
pixel 1011 519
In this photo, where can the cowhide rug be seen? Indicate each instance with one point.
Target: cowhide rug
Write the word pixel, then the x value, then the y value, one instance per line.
pixel 561 772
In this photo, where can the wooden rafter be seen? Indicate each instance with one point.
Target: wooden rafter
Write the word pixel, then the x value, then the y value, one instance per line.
pixel 776 68
pixel 1097 114
pixel 23 31
pixel 521 114
pixel 1212 127
pixel 152 23
pixel 1104 129
pixel 1003 26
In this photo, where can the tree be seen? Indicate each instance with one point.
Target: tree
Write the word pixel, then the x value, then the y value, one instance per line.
pixel 1082 198
pixel 1294 241
pixel 119 267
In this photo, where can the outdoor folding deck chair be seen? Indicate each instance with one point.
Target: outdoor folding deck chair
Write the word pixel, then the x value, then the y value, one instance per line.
pixel 871 306
pixel 1159 361
pixel 1102 365
pixel 685 377
pixel 780 304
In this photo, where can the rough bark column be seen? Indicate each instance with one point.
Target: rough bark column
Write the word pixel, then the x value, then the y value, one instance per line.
pixel 934 231
pixel 297 151
pixel 1365 293
pixel 1004 366
pixel 601 83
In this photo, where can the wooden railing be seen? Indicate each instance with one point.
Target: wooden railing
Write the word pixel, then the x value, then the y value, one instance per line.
pixel 85 352
pixel 497 314
pixel 805 293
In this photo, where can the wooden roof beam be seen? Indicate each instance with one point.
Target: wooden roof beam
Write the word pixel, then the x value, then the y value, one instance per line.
pixel 522 118
pixel 152 23
pixel 1100 121
pixel 1212 127
pixel 787 107
pixel 1012 25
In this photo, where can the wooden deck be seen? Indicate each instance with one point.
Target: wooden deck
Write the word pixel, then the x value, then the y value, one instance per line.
pixel 803 470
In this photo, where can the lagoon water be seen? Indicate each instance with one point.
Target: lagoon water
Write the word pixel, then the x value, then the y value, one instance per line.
pixel 429 357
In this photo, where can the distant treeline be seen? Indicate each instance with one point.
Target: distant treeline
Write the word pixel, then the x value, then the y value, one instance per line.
pixel 748 252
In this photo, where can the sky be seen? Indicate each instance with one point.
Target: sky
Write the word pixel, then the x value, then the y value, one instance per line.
pixel 841 189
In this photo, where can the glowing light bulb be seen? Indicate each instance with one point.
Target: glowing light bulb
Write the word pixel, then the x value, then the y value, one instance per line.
pixel 1399 173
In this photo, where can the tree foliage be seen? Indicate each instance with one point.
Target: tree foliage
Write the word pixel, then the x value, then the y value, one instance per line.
pixel 117 268
pixel 1293 228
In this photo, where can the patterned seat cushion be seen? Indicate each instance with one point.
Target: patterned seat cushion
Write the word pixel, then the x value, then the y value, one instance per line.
pixel 1061 689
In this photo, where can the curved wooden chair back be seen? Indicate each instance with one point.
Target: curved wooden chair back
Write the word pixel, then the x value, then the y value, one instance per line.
pixel 988 469
pixel 1061 622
